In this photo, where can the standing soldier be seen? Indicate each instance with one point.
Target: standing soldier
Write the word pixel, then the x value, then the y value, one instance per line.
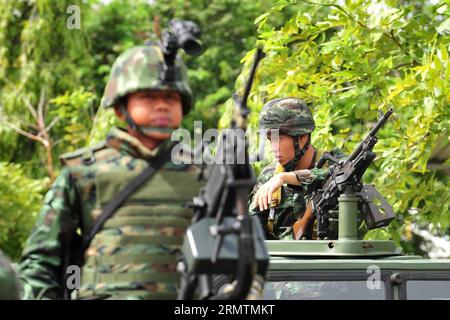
pixel 133 254
pixel 9 284
pixel 279 195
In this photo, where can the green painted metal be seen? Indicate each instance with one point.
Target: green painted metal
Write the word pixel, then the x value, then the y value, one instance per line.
pixel 348 210
pixel 348 256
pixel 411 263
pixel 347 244
pixel 332 248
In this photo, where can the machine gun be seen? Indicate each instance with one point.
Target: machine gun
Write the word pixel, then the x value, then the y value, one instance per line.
pixel 223 240
pixel 343 184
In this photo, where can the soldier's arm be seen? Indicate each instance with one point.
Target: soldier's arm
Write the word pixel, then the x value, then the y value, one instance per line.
pixel 308 177
pixel 318 175
pixel 40 267
pixel 302 177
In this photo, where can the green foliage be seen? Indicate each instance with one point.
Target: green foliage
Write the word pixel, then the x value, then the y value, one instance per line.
pixel 349 61
pixel 228 32
pixel 104 120
pixel 20 199
pixel 40 58
pixel 75 112
pixel 113 27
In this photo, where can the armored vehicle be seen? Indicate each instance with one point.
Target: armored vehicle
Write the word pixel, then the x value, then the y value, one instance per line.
pixel 352 269
pixel 338 265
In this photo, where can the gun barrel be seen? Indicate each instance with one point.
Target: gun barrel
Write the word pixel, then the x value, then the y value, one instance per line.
pixel 258 56
pixel 371 134
pixel 380 123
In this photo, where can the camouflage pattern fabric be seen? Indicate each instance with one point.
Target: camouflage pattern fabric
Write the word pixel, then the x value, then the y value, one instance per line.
pixel 138 243
pixel 290 115
pixel 139 69
pixel 293 203
pixel 73 204
pixel 9 284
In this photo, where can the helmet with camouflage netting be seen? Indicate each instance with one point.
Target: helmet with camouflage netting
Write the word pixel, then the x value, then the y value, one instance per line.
pixel 139 68
pixel 289 115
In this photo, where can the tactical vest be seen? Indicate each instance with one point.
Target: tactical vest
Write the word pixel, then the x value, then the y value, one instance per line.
pixel 134 255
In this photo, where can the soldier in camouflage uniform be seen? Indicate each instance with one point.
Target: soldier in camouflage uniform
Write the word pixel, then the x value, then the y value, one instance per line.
pixel 9 284
pixel 133 256
pixel 278 198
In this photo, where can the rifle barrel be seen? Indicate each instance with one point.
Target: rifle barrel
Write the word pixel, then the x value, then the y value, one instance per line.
pixel 248 86
pixel 371 134
pixel 380 123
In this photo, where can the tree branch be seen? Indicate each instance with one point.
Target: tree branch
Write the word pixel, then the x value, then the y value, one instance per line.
pixel 47 129
pixel 342 89
pixel 40 108
pixel 30 108
pixel 28 135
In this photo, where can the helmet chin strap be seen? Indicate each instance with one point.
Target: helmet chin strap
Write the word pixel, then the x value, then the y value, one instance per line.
pixel 299 153
pixel 142 129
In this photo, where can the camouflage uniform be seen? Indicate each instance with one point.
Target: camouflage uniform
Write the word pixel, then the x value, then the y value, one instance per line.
pixel 9 284
pixel 290 116
pixel 292 205
pixel 133 256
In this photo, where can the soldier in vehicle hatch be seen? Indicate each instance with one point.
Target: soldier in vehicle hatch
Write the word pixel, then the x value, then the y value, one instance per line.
pixel 278 198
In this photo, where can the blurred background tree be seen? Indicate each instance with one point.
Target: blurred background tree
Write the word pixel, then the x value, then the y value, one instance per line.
pixel 20 200
pixel 40 59
pixel 346 60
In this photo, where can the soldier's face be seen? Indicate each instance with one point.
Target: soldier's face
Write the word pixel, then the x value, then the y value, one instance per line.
pixel 283 148
pixel 161 109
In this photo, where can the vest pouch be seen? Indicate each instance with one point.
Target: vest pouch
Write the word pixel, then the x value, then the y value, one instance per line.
pixel 133 255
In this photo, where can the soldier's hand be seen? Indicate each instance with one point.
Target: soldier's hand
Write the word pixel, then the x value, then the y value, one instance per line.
pixel 263 196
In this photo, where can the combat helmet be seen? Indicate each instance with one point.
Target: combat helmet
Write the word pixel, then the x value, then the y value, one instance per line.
pixel 290 116
pixel 140 68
